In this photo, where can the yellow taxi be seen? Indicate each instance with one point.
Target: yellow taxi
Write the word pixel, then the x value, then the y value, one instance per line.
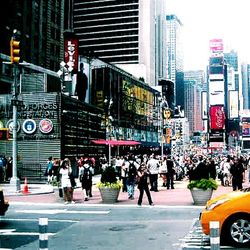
pixel 232 211
pixel 4 204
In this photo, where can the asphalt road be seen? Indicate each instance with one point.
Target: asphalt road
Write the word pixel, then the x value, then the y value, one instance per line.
pixel 97 227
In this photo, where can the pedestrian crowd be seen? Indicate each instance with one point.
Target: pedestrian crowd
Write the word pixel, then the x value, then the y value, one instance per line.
pixel 143 172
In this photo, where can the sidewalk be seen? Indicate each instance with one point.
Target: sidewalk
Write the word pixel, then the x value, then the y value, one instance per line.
pixel 44 193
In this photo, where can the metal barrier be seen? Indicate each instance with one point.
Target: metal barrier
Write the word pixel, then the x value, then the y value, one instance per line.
pixel 43 233
pixel 33 171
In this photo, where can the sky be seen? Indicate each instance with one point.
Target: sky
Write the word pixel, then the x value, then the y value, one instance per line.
pixel 204 20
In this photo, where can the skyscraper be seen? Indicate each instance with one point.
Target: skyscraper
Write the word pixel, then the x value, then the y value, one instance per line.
pixel 175 58
pixel 194 85
pixel 123 32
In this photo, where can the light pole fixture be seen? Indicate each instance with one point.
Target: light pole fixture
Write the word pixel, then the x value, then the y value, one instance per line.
pixel 108 125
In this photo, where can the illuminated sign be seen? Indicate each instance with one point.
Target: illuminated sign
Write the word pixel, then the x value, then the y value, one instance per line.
pixel 71 54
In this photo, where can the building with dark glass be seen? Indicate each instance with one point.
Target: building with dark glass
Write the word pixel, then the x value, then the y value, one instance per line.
pixel 40 25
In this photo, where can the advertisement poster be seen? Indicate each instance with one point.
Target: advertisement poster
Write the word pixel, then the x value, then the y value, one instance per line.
pixel 217 117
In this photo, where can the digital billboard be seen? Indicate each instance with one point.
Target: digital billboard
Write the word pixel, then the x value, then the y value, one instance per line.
pixel 216 92
pixel 233 104
pixel 245 126
pixel 216 45
pixel 204 105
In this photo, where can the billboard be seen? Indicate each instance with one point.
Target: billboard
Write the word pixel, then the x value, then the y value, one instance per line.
pixel 216 92
pixel 233 104
pixel 216 45
pixel 204 105
pixel 245 126
pixel 217 117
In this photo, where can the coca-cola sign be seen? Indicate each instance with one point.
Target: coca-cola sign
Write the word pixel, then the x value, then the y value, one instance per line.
pixel 217 117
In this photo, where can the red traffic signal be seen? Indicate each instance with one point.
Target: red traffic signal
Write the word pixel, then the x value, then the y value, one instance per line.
pixel 14 51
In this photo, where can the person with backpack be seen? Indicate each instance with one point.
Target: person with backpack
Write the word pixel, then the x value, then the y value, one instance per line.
pixel 85 177
pixel 131 179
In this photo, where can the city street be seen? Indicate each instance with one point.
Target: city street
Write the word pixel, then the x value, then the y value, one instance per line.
pixel 97 227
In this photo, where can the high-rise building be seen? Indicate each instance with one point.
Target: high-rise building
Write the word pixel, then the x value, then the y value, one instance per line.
pixel 40 28
pixel 194 85
pixel 123 32
pixel 245 69
pixel 175 58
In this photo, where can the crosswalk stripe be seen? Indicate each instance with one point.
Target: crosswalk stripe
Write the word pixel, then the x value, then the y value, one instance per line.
pixel 58 211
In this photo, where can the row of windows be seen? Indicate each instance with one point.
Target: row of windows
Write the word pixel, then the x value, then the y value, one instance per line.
pixel 109 40
pixel 103 28
pixel 102 34
pixel 107 22
pixel 80 15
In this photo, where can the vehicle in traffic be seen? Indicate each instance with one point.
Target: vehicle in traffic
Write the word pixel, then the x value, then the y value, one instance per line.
pixel 232 211
pixel 4 204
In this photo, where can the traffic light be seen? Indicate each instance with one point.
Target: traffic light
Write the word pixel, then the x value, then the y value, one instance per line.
pixel 14 50
pixel 4 133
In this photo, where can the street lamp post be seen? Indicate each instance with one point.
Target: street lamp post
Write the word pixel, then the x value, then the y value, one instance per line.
pixel 162 105
pixel 108 120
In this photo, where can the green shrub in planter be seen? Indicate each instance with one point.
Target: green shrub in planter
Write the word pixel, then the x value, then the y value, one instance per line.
pixel 203 184
pixel 109 179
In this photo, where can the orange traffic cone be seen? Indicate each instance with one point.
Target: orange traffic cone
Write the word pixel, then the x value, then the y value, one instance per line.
pixel 25 186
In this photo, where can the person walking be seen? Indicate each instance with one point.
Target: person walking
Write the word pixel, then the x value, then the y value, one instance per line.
pixel 170 173
pixel 124 174
pixel 49 170
pixel 132 172
pixel 153 168
pixel 65 172
pixel 85 176
pixel 237 171
pixel 143 175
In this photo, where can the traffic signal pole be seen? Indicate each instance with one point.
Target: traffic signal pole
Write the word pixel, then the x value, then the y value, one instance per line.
pixel 14 181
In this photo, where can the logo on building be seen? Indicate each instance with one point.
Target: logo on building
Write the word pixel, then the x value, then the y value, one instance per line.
pixel 29 126
pixel 10 125
pixel 45 126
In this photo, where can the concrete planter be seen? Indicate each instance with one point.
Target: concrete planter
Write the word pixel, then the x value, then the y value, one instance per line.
pixel 109 195
pixel 200 196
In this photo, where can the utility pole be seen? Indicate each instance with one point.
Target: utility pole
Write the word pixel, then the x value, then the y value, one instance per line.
pixel 15 59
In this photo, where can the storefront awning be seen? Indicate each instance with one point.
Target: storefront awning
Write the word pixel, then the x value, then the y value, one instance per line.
pixel 116 142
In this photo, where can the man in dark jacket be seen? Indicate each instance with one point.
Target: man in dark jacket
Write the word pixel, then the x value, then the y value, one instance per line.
pixel 237 171
pixel 170 173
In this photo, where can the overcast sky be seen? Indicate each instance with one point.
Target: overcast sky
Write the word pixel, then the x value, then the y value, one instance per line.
pixel 208 19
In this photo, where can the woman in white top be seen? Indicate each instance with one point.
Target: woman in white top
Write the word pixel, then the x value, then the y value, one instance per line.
pixel 65 172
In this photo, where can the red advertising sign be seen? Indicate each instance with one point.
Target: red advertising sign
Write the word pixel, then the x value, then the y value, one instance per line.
pixel 217 117
pixel 71 53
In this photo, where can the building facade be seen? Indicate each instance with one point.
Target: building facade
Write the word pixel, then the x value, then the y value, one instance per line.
pixel 125 33
pixel 175 70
